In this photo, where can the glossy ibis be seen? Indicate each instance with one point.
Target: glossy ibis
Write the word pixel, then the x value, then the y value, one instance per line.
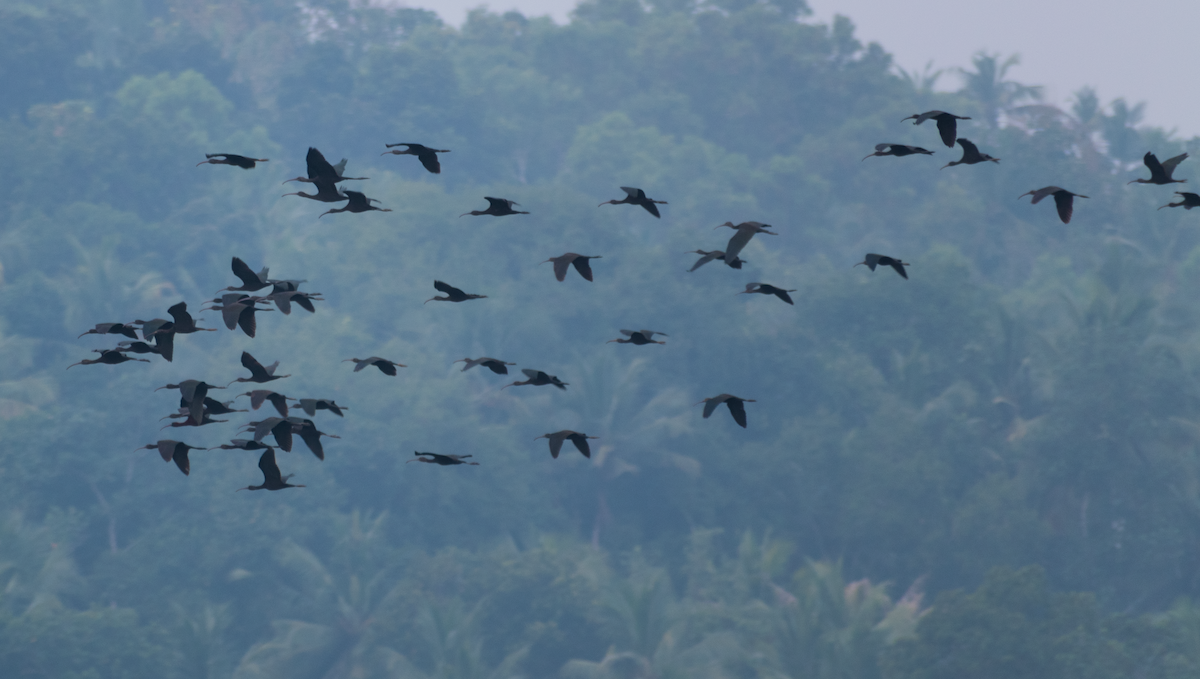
pixel 426 155
pixel 107 357
pixel 495 365
pixel 260 396
pixel 308 432
pixel 279 427
pixel 971 155
pixel 320 171
pixel 735 406
pixel 765 289
pixel 947 124
pixel 453 294
pixel 537 378
pixel 497 207
pixel 174 450
pixel 244 162
pixel 125 329
pixel 272 479
pixel 579 439
pixel 745 231
pixel 444 460
pixel 358 203
pixel 1190 200
pixel 709 256
pixel 580 261
pixel 238 310
pixel 640 337
pixel 385 366
pixel 637 197
pixel 898 150
pixel 1160 173
pixel 244 444
pixel 873 260
pixel 251 282
pixel 1064 200
pixel 312 405
pixel 258 373
pixel 192 394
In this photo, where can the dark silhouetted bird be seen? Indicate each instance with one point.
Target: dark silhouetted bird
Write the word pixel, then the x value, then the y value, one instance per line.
pixel 284 298
pixel 174 450
pixel 358 203
pixel 537 378
pixel 244 444
pixel 579 439
pixel 279 427
pixel 873 260
pixel 251 282
pixel 1064 200
pixel 184 323
pixel 640 337
pixel 745 231
pixel 444 460
pixel 735 406
pixel 971 155
pixel 385 366
pixel 898 150
pixel 580 261
pixel 243 162
pixel 1190 200
pixel 327 192
pixel 947 124
pixel 192 394
pixel 308 432
pixel 319 170
pixel 107 357
pixel 260 396
pixel 258 373
pixel 312 405
pixel 453 294
pixel 707 257
pixel 237 310
pixel 495 365
pixel 1160 173
pixel 637 197
pixel 272 479
pixel 137 347
pixel 426 155
pixel 765 289
pixel 497 207
pixel 125 329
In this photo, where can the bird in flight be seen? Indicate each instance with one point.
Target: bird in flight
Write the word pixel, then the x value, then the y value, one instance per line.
pixel 1064 200
pixel 444 460
pixel 244 162
pixel 385 366
pixel 107 357
pixel 579 439
pixel 426 155
pixel 358 203
pixel 537 378
pixel 947 124
pixel 497 207
pixel 873 260
pixel 1160 173
pixel 1190 200
pixel 636 197
pixel 580 262
pixel 272 479
pixel 174 450
pixel 898 150
pixel 745 231
pixel 733 402
pixel 497 366
pixel 765 289
pixel 453 294
pixel 971 155
pixel 708 256
pixel 639 337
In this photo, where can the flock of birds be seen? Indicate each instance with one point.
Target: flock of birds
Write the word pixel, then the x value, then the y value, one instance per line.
pixel 239 307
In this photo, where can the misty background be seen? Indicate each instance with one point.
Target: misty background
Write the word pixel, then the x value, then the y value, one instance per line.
pixel 988 469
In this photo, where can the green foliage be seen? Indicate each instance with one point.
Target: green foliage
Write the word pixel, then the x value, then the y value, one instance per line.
pixel 1026 397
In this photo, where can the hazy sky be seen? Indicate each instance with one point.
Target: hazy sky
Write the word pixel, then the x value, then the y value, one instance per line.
pixel 1143 52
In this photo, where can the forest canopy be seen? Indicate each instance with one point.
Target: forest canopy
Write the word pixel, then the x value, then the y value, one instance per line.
pixel 992 466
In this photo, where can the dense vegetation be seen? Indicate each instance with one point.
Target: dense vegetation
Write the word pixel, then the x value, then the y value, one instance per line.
pixel 991 469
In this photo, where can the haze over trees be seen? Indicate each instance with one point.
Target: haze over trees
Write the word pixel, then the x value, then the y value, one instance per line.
pixel 1012 432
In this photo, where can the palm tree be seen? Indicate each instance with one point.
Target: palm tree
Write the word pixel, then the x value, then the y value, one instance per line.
pixel 453 642
pixel 987 86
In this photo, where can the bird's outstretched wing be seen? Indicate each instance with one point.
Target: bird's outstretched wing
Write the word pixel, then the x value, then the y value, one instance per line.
pixel 580 441
pixel 738 410
pixel 1065 203
pixel 583 267
pixel 429 160
pixel 560 268
pixel 318 167
pixel 948 128
pixel 447 288
pixel 1169 164
pixel 270 470
pixel 711 404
